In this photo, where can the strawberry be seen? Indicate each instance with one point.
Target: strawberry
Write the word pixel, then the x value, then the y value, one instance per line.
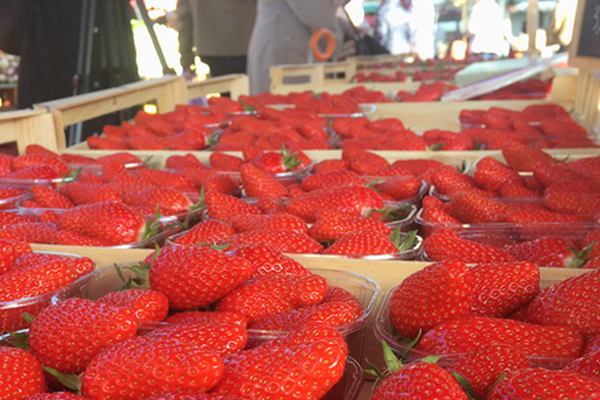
pixel 547 174
pixel 588 365
pixel 115 223
pixel 401 188
pixel 328 229
pixel 266 260
pixel 132 365
pixel 69 334
pixel 111 169
pixel 417 166
pixel 207 317
pixel 266 370
pixel 275 163
pixel 330 166
pixel 331 179
pixel 225 162
pixel 541 383
pixel 372 159
pixel 571 303
pixel 221 183
pixel 583 205
pixel 21 374
pixel 8 255
pixel 187 161
pixel 590 238
pixel 50 198
pixel 470 207
pixel 412 311
pixel 339 308
pixel 369 242
pixel 418 381
pixel 9 218
pixel 549 251
pixel 210 231
pixel 148 305
pixel 87 193
pixel 521 157
pixel 56 396
pixel 273 293
pixel 283 240
pixel 31 160
pixel 435 203
pixel 69 238
pixel 250 222
pixel 35 232
pixel 484 366
pixel 221 339
pixel 513 190
pixel 166 178
pixel 501 288
pixel 353 199
pixel 259 184
pixel 171 201
pixel 193 277
pixel 461 335
pixel 225 207
pixel 494 178
pixel 445 244
pixel 447 180
pixel 43 172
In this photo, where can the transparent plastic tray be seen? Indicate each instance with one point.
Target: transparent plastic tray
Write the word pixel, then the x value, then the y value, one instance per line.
pixel 11 312
pixel 12 202
pixel 366 290
pixel 384 330
pixel 365 109
pixel 28 183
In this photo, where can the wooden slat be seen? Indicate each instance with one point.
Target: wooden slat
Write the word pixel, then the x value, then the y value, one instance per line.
pixel 234 84
pixel 30 127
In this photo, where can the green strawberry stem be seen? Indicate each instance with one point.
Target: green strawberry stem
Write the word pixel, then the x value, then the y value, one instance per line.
pixel 502 376
pixel 153 226
pixel 147 160
pixel 392 362
pixel 391 214
pixel 581 257
pixel 21 340
pixel 247 107
pixel 435 147
pixel 212 139
pixel 465 385
pixel 28 317
pixel 414 342
pixel 290 161
pixel 70 381
pixel 405 244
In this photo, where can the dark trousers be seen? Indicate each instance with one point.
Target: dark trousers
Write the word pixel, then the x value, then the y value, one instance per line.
pixel 225 65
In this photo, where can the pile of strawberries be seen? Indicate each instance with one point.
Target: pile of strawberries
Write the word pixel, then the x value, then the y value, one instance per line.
pixel 28 280
pixel 497 334
pixel 542 126
pixel 216 309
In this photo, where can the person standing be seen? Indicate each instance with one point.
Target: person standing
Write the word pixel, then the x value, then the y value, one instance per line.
pixel 281 34
pixel 487 27
pixel 423 22
pixel 393 26
pixel 219 30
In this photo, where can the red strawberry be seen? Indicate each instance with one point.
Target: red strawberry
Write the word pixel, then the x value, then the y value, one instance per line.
pixel 274 293
pixel 462 335
pixel 187 161
pixel 56 396
pixel 588 365
pixel 266 369
pixel 275 163
pixel 207 317
pixel 35 232
pixel 50 198
pixel 538 383
pixel 512 190
pixel 225 162
pixel 43 172
pixel 330 166
pixel 69 238
pixel 250 222
pixel 196 368
pixel 547 174
pixel 259 184
pixel 221 183
pixel 367 242
pixel 521 157
pixel 494 178
pixel 445 244
pixel 327 229
pixel 331 179
pixel 418 381
pixel 148 305
pixel 10 218
pixel 22 375
pixel 447 180
pixel 484 366
pixel 583 205
pixel 401 188
pixel 166 178
pixel 224 207
pixel 193 277
pixel 549 251
pixel 221 339
pixel 470 207
pixel 352 199
pixel 31 160
pixel 375 160
pixel 8 255
pixel 283 240
pixel 411 310
pixel 266 260
pixel 57 333
pixel 570 303
pixel 593 236
pixel 171 201
pixel 501 288
pixel 111 169
pixel 211 231
pixel 87 193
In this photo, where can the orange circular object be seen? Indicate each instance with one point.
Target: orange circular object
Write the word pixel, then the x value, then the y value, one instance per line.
pixel 314 41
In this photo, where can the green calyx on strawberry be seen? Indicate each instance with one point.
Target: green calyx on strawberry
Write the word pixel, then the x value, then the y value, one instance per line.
pixel 290 161
pixel 392 363
pixel 389 214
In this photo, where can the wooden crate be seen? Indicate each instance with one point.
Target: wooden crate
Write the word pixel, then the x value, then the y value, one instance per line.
pixel 234 84
pixel 30 127
pixel 165 92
